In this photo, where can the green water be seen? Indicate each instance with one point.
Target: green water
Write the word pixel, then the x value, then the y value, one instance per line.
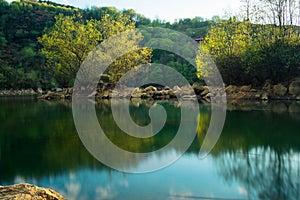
pixel 256 157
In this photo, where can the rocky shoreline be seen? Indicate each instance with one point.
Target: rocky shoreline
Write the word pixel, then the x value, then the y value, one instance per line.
pixel 28 191
pixel 281 91
pixel 21 92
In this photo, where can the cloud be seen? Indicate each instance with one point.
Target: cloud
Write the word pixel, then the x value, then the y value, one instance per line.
pixel 73 190
pixel 106 192
pixel 242 190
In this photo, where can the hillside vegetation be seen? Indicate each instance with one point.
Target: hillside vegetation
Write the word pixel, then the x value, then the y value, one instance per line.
pixel 247 51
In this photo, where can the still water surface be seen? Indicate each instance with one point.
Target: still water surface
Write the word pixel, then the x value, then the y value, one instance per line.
pixel 257 156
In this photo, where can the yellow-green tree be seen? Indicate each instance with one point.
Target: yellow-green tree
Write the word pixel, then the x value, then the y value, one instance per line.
pixel 69 41
pixel 248 53
pixel 225 43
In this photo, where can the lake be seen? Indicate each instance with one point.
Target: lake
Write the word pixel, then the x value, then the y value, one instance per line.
pixel 256 157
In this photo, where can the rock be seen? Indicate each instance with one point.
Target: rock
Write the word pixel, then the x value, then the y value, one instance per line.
pixel 68 90
pixel 165 92
pixel 146 95
pixel 208 96
pixel 28 191
pixel 176 88
pixel 137 93
pixel 176 93
pixel 265 96
pixel 106 94
pixel 53 96
pixel 279 90
pixel 231 89
pixel 267 86
pixel 237 96
pixel 257 96
pixel 245 88
pixel 150 88
pixel 39 91
pixel 167 88
pixel 58 89
pixel 294 88
pixel 29 92
pixel 158 95
pixel 172 95
pixel 187 90
pixel 12 92
pixel 68 93
pixel 204 93
pixel 197 88
pixel 138 90
pixel 206 87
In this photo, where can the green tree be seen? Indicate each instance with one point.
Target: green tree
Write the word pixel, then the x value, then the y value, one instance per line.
pixel 70 40
pixel 67 44
pixel 226 42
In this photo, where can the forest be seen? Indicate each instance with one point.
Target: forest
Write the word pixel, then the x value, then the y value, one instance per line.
pixel 42 43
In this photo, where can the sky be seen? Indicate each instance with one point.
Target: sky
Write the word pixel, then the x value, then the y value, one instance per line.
pixel 168 10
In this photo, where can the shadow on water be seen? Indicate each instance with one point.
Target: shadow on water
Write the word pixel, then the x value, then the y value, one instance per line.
pixel 38 138
pixel 259 147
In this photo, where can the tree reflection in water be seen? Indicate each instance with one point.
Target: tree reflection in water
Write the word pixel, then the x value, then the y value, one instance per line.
pixel 266 173
pixel 265 160
pixel 259 148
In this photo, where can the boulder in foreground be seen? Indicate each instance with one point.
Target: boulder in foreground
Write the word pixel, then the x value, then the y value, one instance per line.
pixel 28 191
